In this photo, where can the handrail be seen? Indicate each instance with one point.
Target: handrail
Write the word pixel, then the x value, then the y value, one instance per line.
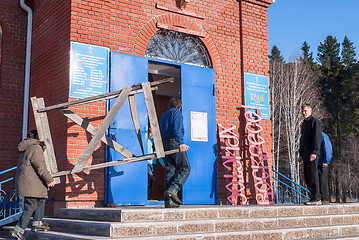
pixel 290 180
pixel 290 187
pixel 303 195
pixel 11 206
pixel 8 170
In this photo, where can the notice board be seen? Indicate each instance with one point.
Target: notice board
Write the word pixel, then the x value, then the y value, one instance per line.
pixel 256 92
pixel 88 70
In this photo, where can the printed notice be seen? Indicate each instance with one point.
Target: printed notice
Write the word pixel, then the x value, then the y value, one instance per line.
pixel 256 89
pixel 88 71
pixel 199 127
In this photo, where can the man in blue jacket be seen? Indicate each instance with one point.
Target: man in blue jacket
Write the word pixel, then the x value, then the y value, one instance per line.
pixel 177 165
pixel 325 156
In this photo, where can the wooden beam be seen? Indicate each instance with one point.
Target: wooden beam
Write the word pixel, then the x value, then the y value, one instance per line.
pixel 151 110
pixel 118 162
pixel 91 129
pixel 102 129
pixel 102 97
pixel 43 129
pixel 135 120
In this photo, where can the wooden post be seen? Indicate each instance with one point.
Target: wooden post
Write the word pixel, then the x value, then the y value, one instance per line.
pixel 157 140
pixel 136 123
pixel 43 128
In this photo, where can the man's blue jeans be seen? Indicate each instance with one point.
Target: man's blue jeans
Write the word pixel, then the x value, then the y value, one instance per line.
pixel 177 166
pixel 34 206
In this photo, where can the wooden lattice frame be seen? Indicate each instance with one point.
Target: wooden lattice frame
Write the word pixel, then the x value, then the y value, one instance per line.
pixel 99 134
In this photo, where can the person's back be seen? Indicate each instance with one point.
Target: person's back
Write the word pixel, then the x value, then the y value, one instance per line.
pixel 32 182
pixel 325 156
pixel 31 169
pixel 171 125
pixel 177 164
pixel 326 150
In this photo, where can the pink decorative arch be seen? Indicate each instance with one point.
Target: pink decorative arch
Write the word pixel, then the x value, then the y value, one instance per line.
pixel 150 29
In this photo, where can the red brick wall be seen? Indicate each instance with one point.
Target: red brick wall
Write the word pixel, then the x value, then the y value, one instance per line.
pixel 13 21
pixel 50 76
pixel 235 36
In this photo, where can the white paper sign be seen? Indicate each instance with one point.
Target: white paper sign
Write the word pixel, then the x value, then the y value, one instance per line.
pixel 199 126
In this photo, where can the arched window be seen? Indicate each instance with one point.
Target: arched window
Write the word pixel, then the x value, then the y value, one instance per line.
pixel 178 47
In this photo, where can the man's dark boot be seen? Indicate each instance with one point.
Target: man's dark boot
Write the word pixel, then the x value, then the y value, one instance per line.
pixel 170 204
pixel 170 193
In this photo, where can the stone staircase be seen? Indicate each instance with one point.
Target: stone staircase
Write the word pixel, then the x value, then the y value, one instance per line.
pixel 334 221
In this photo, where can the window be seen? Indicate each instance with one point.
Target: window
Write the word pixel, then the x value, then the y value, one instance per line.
pixel 178 47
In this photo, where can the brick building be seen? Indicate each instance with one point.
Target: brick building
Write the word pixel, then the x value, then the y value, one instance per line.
pixel 230 36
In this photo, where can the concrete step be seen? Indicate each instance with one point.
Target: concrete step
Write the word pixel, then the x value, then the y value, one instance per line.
pixel 159 213
pixel 159 228
pixel 327 232
pixel 62 236
pixel 335 221
pixel 92 228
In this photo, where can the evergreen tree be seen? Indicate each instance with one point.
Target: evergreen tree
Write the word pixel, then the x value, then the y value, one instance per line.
pixel 307 56
pixel 275 55
pixel 339 93
pixel 348 54
pixel 331 95
pixel 350 78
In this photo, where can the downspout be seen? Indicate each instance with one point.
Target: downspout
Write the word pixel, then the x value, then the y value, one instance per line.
pixel 27 68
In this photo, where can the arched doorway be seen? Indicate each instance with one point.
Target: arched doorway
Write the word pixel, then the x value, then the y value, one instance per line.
pixel 184 57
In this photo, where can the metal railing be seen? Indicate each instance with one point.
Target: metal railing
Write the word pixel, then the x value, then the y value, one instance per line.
pixel 291 193
pixel 11 206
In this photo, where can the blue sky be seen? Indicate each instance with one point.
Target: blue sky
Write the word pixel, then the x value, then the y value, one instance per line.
pixel 291 22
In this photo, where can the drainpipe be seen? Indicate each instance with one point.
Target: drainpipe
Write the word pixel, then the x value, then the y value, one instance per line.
pixel 27 68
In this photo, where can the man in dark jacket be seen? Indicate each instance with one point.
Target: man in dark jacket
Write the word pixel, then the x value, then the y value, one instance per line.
pixel 177 165
pixel 310 140
pixel 32 182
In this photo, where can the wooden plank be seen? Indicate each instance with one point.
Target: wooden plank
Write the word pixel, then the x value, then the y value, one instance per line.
pixel 152 116
pixel 43 129
pixel 118 162
pixel 102 129
pixel 102 97
pixel 91 129
pixel 135 120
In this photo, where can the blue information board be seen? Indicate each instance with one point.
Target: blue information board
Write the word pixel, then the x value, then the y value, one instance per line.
pixel 89 70
pixel 256 92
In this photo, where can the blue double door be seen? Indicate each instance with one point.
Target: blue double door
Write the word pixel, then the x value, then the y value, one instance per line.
pixel 127 184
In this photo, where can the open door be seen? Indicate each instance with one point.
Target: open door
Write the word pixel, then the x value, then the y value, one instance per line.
pixel 198 109
pixel 127 183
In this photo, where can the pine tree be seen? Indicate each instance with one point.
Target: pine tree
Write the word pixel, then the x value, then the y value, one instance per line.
pixel 348 54
pixel 307 56
pixel 330 65
pixel 350 78
pixel 275 55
